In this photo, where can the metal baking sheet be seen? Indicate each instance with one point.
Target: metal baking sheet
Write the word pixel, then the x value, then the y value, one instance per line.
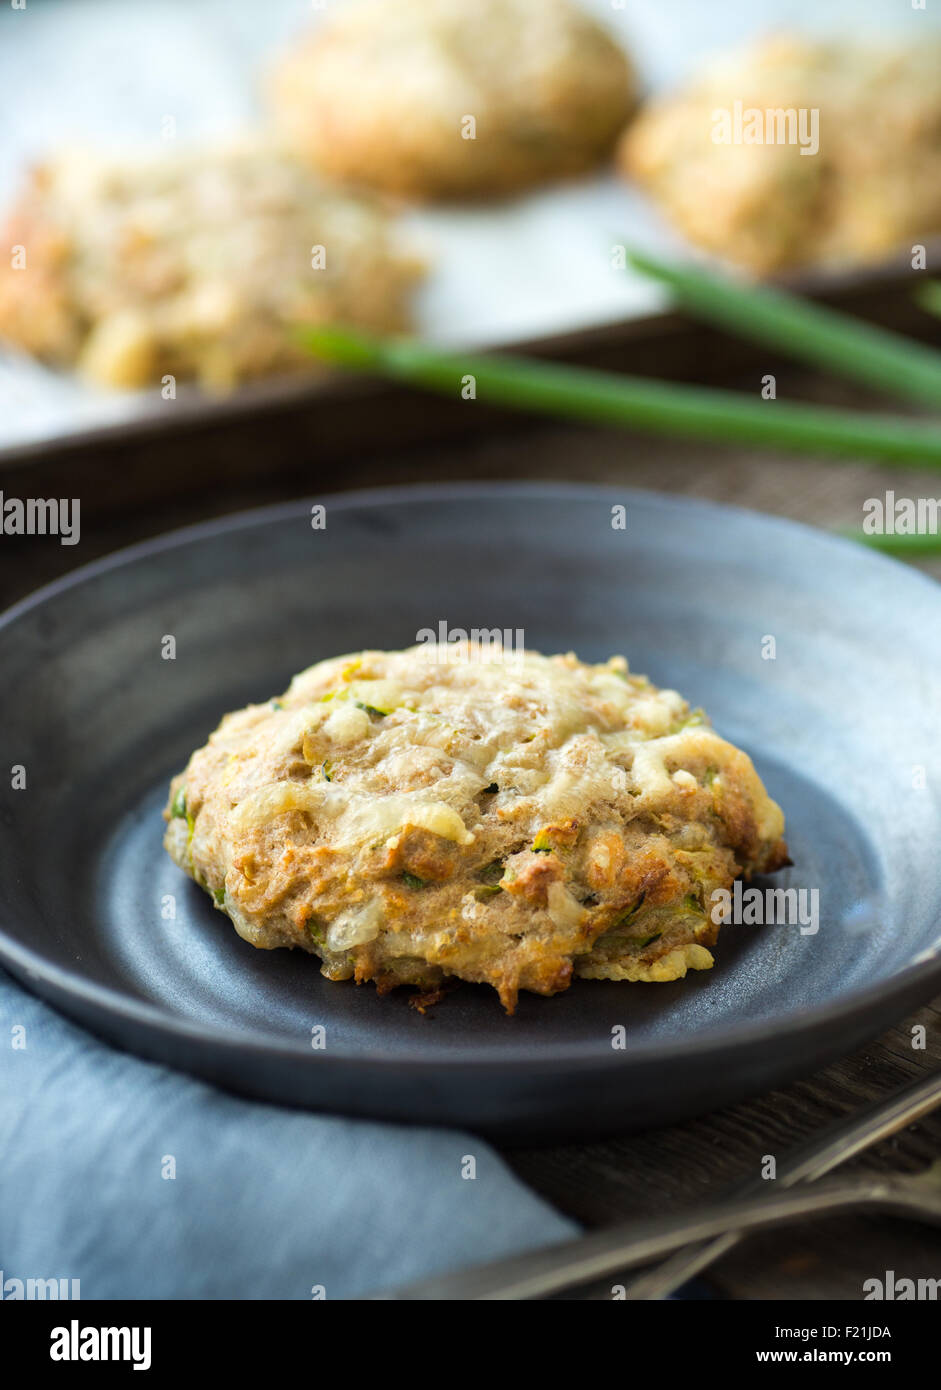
pixel 106 74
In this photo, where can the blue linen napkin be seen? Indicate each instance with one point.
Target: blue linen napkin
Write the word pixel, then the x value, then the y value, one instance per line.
pixel 266 1202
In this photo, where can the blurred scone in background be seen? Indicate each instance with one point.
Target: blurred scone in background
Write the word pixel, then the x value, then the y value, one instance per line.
pixel 438 99
pixel 198 264
pixel 873 184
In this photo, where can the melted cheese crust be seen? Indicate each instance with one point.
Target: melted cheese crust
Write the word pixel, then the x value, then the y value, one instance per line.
pixel 465 811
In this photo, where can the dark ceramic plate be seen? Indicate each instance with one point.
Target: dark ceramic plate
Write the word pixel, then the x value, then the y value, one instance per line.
pixel 839 723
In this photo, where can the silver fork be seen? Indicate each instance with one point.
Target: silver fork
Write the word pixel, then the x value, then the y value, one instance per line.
pixel 837 1144
pixel 711 1230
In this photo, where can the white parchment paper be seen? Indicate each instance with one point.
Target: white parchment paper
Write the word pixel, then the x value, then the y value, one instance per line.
pixel 108 73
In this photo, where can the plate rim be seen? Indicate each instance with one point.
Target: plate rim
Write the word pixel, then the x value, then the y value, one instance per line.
pixel 29 966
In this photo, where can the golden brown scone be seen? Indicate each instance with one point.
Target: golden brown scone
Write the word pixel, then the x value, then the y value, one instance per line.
pixel 507 819
pixel 381 93
pixel 874 185
pixel 194 265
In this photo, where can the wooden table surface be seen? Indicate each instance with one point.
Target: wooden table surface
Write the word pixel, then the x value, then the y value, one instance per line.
pixel 139 489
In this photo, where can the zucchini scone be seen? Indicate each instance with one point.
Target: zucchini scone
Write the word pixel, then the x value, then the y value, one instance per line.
pixel 194 265
pixel 440 99
pixel 463 812
pixel 836 158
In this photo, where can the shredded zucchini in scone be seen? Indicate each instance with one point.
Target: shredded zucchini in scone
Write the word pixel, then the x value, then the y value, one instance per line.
pixel 414 817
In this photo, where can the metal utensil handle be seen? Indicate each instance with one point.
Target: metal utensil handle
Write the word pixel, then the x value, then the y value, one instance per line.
pixel 604 1253
pixel 837 1144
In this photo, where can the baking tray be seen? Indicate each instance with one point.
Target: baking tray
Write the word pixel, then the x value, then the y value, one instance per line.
pixel 528 274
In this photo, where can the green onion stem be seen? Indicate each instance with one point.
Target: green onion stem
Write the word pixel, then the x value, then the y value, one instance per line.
pixel 808 331
pixel 655 407
pixel 910 547
pixel 928 296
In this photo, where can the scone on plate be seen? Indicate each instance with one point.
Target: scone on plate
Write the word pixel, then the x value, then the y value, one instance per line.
pixel 195 265
pixel 441 99
pixel 465 812
pixel 873 185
